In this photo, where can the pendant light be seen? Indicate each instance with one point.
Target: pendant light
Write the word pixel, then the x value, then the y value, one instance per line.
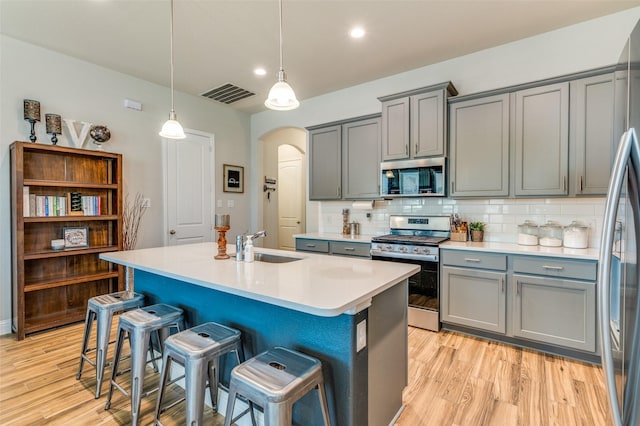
pixel 281 96
pixel 171 128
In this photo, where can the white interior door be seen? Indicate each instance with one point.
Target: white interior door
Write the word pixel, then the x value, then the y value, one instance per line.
pixel 290 201
pixel 189 185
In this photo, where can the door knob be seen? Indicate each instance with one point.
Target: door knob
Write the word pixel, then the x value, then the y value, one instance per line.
pixel 298 222
pixel 172 232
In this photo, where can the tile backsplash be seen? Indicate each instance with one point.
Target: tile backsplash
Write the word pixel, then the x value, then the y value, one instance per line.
pixel 502 216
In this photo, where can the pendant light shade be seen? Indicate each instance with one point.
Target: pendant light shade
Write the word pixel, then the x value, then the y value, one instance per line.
pixel 281 96
pixel 171 128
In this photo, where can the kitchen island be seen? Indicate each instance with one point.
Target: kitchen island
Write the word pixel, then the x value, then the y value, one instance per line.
pixel 349 313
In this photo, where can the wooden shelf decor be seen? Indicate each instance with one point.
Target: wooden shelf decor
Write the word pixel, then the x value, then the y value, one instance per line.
pixel 51 287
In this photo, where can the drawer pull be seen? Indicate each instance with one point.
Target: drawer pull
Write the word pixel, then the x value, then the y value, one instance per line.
pixel 472 259
pixel 310 245
pixel 349 249
pixel 553 268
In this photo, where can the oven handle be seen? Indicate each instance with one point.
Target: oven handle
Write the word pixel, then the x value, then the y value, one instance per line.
pixel 420 257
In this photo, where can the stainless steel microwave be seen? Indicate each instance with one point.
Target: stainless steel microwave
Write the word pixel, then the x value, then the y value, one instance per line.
pixel 424 177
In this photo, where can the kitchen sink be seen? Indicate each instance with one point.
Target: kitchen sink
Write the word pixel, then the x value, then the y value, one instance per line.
pixel 274 258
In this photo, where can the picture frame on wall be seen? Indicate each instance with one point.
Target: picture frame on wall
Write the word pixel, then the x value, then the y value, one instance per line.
pixel 233 178
pixel 77 236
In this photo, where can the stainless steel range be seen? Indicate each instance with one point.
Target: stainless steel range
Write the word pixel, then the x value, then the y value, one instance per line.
pixel 415 240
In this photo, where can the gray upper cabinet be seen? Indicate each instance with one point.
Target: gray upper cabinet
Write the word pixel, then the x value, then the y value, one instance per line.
pixel 325 163
pixel 592 134
pixel 344 160
pixel 395 129
pixel 361 159
pixel 414 123
pixel 479 147
pixel 542 140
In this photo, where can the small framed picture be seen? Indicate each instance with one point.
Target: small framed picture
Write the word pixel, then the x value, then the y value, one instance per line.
pixel 233 178
pixel 76 237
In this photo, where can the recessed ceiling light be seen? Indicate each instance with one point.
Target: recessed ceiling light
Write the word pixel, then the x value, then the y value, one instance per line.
pixel 260 71
pixel 357 32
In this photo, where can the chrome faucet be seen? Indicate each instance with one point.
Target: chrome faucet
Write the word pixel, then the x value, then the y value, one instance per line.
pixel 241 241
pixel 259 234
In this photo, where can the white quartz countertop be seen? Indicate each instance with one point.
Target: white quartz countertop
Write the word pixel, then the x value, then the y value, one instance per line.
pixel 316 284
pixel 336 237
pixel 511 248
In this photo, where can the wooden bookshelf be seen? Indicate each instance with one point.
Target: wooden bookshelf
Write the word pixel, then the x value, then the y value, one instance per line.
pixel 51 287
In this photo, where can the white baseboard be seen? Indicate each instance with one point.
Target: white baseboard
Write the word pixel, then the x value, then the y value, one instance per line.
pixel 5 327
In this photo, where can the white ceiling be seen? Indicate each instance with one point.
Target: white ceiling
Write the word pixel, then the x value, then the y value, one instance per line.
pixel 221 41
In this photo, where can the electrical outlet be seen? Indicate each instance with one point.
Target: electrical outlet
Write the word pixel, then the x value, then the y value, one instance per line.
pixel 146 203
pixel 230 203
pixel 361 335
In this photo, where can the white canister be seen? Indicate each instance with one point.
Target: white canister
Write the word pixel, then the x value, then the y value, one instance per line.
pixel 576 235
pixel 528 233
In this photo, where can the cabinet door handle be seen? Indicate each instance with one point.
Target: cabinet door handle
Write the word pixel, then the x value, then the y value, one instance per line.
pixel 564 183
pixel 416 149
pixel 517 287
pixel 453 187
pixel 406 150
pixel 553 268
pixel 310 245
pixel 580 183
pixel 471 259
pixel 338 191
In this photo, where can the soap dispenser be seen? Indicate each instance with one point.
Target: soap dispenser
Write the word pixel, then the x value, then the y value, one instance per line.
pixel 248 249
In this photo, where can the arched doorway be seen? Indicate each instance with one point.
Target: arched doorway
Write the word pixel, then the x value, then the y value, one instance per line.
pixel 283 186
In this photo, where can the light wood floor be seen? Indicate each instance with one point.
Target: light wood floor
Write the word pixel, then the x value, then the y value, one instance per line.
pixel 453 380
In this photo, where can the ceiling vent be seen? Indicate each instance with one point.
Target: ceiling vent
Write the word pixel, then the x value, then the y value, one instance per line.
pixel 227 93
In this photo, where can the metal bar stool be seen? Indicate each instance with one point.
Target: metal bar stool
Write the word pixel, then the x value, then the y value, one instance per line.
pixel 101 309
pixel 275 380
pixel 198 350
pixel 139 324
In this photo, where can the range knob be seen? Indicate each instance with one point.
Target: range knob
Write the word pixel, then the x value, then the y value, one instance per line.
pixel 388 247
pixel 416 250
pixel 403 249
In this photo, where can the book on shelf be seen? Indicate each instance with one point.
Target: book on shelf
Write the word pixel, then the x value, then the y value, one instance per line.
pixel 26 206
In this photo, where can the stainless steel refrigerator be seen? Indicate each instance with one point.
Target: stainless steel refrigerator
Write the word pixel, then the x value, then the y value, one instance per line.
pixel 618 274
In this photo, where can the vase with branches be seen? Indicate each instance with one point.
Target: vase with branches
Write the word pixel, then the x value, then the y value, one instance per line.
pixel 132 212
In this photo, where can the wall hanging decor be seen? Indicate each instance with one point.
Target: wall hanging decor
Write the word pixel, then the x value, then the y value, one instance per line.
pixel 53 123
pixel 32 114
pixel 233 178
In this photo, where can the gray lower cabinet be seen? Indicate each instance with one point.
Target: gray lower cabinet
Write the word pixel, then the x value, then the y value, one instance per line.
pixel 473 298
pixel 337 248
pixel 479 147
pixel 344 160
pixel 541 140
pixel 592 134
pixel 548 300
pixel 555 311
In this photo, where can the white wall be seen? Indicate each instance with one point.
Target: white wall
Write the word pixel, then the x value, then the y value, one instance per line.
pixel 592 44
pixel 87 92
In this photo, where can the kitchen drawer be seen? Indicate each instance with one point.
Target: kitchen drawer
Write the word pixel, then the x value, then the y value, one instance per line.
pixel 557 268
pixel 307 244
pixel 344 248
pixel 474 259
